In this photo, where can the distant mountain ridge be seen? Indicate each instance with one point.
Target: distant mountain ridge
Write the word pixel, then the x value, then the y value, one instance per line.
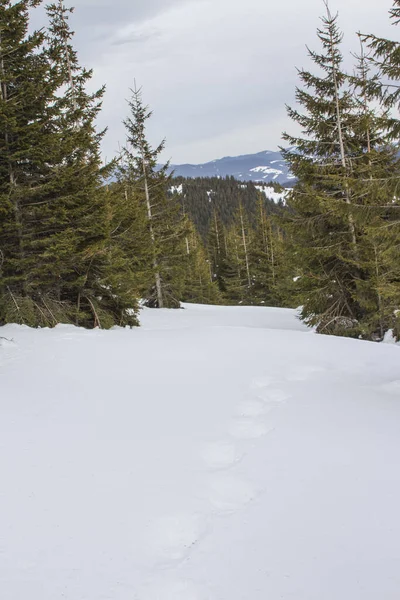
pixel 263 166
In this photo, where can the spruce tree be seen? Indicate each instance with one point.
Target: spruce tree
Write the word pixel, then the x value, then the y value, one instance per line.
pixel 93 281
pixel 166 225
pixel 382 86
pixel 54 222
pixel 342 226
pixel 28 155
pixel 322 224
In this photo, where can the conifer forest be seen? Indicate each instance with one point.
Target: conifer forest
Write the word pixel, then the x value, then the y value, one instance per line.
pixel 86 242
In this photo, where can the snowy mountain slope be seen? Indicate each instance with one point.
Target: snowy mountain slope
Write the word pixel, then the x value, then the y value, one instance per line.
pixel 271 194
pixel 214 454
pixel 266 188
pixel 262 166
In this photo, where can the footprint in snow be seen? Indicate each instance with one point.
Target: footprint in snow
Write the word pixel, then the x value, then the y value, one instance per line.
pixel 220 455
pixel 273 395
pixel 171 538
pixel 304 372
pixel 262 382
pixel 171 590
pixel 229 494
pixel 248 429
pixel 251 408
pixel 7 343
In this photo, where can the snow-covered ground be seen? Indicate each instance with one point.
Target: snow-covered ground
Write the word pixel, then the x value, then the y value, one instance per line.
pixel 213 454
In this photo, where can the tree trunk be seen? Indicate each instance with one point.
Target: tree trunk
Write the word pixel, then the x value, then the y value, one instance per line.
pixel 159 291
pixel 217 233
pixel 245 247
pixel 273 270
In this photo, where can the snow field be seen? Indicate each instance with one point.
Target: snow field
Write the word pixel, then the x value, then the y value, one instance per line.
pixel 215 454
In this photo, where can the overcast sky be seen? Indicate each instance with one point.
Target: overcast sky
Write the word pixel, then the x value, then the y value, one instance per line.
pixel 217 73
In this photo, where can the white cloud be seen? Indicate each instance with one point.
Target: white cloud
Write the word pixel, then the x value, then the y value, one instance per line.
pixel 217 73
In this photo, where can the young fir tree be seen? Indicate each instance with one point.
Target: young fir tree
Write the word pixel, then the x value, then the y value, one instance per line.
pixel 323 224
pixel 166 226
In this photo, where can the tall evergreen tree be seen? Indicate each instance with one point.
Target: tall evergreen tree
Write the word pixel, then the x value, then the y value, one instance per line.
pixel 54 222
pixel 28 153
pixel 98 286
pixel 383 87
pixel 323 224
pixel 338 224
pixel 166 225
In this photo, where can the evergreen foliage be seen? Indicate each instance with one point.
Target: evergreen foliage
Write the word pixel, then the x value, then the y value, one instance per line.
pixel 383 86
pixel 201 196
pixel 267 258
pixel 76 249
pixel 54 222
pixel 166 226
pixel 96 282
pixel 337 203
pixel 200 287
pixel 28 153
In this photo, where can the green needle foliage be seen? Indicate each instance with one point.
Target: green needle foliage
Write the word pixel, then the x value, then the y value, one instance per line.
pixel 338 208
pixel 81 242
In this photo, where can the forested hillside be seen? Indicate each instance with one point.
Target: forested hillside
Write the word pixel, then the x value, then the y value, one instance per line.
pixel 75 249
pixel 202 196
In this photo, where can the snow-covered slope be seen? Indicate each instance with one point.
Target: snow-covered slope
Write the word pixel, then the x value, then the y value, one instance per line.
pixel 271 194
pixel 262 166
pixel 213 454
pixel 266 188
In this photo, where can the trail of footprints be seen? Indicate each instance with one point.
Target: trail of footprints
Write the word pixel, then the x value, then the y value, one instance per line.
pixel 171 539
